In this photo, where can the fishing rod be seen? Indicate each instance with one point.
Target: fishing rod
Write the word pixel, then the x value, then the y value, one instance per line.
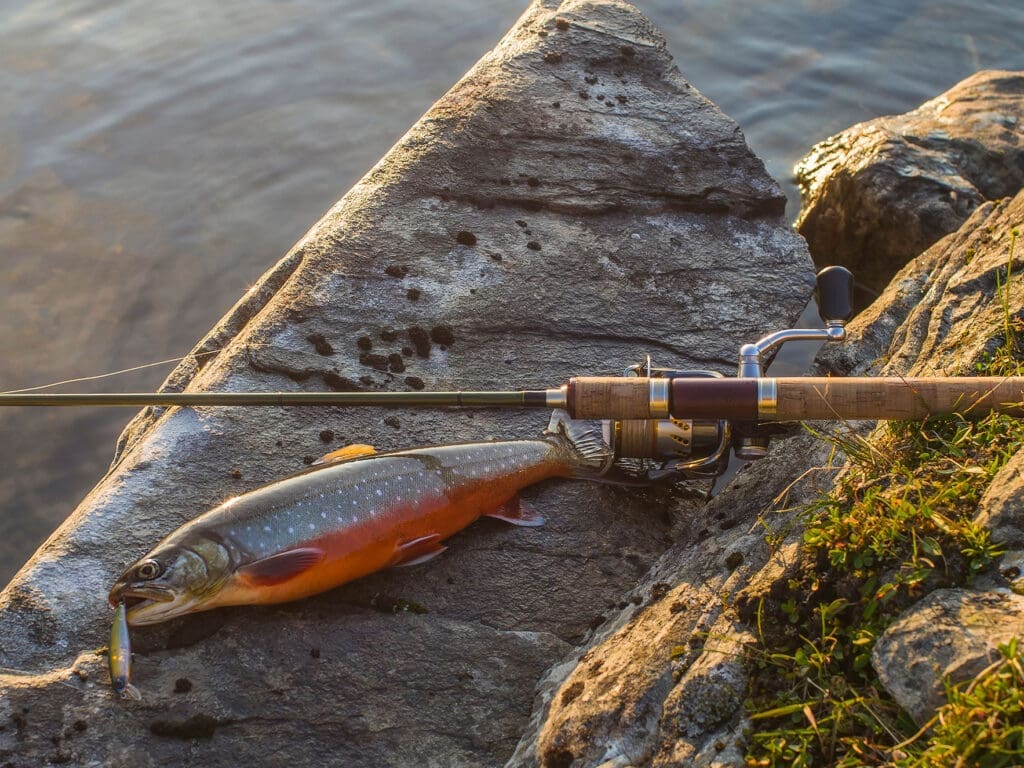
pixel 684 421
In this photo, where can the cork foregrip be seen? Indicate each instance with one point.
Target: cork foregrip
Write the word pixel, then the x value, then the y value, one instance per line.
pixel 807 399
pixel 609 397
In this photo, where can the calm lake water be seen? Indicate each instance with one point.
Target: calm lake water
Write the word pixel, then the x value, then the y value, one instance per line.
pixel 156 157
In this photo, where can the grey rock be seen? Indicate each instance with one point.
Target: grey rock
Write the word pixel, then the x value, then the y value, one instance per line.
pixel 1001 509
pixel 951 633
pixel 941 313
pixel 504 242
pixel 879 193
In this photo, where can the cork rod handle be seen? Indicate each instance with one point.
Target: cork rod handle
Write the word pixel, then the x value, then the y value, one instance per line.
pixel 808 399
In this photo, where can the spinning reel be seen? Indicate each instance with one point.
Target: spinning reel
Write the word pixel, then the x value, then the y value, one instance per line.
pixel 661 449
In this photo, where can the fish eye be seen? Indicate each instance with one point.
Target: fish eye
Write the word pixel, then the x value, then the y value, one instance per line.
pixel 148 569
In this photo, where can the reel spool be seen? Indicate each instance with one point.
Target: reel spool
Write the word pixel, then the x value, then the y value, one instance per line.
pixel 694 448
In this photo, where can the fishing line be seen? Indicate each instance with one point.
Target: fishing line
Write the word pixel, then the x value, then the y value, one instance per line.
pixel 109 374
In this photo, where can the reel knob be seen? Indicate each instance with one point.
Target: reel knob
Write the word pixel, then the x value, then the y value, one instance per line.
pixel 834 293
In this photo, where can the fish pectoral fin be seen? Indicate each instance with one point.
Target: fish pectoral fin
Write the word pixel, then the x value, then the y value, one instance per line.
pixel 418 551
pixel 349 452
pixel 281 567
pixel 517 512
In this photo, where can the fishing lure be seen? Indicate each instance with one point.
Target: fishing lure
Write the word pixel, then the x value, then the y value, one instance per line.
pixel 119 656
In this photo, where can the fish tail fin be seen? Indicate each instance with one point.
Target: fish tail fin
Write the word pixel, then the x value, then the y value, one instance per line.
pixel 592 457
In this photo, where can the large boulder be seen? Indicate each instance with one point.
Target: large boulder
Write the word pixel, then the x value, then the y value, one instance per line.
pixel 879 193
pixel 569 205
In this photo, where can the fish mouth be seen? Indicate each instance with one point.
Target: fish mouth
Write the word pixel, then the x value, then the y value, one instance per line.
pixel 134 597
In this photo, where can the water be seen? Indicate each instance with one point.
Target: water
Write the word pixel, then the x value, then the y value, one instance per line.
pixel 156 157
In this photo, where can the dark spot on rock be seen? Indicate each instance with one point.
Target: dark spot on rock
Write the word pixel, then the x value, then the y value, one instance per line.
pixel 393 422
pixel 596 622
pixel 591 79
pixel 659 590
pixel 366 380
pixel 395 363
pixel 465 238
pixel 557 757
pixel 365 343
pixel 600 98
pixel 628 51
pixel 388 604
pixel 521 223
pixel 182 685
pixel 725 525
pixel 533 181
pixel 553 58
pixel 556 104
pixel 542 33
pixel 326 435
pixel 279 444
pixel 314 653
pixel 621 98
pixel 495 256
pixel 734 560
pixel 505 182
pixel 532 205
pixel 340 383
pixel 420 341
pixel 442 334
pixel 413 294
pixel 572 692
pixel 320 344
pixel 561 24
pixel 394 270
pixel 636 600
pixel 584 95
pixel 81 725
pixel 377 362
pixel 196 727
pixel 389 334
pixel 527 232
pixel 236 474
pixel 533 245
pixel 407 351
pixel 308 460
pixel 415 382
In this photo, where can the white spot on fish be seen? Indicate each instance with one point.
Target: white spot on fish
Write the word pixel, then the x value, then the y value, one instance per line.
pixel 291 529
pixel 312 527
pixel 266 528
pixel 379 492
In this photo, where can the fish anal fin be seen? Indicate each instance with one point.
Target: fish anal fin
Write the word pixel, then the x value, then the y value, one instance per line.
pixel 517 512
pixel 419 550
pixel 349 452
pixel 281 567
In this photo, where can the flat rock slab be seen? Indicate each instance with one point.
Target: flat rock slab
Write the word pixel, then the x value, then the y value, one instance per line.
pixel 952 633
pixel 881 192
pixel 570 205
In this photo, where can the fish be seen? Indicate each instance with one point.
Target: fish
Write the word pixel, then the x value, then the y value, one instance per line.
pixel 119 656
pixel 357 512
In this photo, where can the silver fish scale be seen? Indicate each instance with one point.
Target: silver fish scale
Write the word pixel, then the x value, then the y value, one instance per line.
pixel 321 501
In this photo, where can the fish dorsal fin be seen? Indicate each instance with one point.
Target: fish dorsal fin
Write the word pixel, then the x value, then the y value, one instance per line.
pixel 281 567
pixel 349 452
pixel 517 512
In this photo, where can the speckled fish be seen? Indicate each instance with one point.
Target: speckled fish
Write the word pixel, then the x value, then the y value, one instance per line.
pixel 119 656
pixel 353 515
